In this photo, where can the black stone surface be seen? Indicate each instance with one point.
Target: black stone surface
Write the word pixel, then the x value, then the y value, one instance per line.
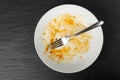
pixel 18 58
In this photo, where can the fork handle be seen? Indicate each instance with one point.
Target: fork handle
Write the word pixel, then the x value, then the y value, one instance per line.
pixel 90 28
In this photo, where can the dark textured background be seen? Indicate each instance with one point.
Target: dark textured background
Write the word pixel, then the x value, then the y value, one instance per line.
pixel 18 58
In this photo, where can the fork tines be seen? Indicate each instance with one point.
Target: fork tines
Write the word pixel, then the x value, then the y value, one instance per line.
pixel 56 44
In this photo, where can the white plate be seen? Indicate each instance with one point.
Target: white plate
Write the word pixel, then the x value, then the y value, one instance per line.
pixel 95 43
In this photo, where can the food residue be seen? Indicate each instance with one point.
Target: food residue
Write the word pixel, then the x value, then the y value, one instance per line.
pixel 62 25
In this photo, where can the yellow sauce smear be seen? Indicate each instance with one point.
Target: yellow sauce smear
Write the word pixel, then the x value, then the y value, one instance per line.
pixel 66 24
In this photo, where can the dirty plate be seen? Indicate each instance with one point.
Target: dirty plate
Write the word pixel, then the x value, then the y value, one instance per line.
pixel 95 43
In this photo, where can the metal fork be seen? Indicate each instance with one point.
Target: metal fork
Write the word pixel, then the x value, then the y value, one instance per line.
pixel 64 40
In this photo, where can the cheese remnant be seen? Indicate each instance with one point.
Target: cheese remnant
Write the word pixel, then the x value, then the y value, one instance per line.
pixel 66 24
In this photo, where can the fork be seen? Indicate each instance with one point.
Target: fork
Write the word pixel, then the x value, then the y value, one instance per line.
pixel 64 40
